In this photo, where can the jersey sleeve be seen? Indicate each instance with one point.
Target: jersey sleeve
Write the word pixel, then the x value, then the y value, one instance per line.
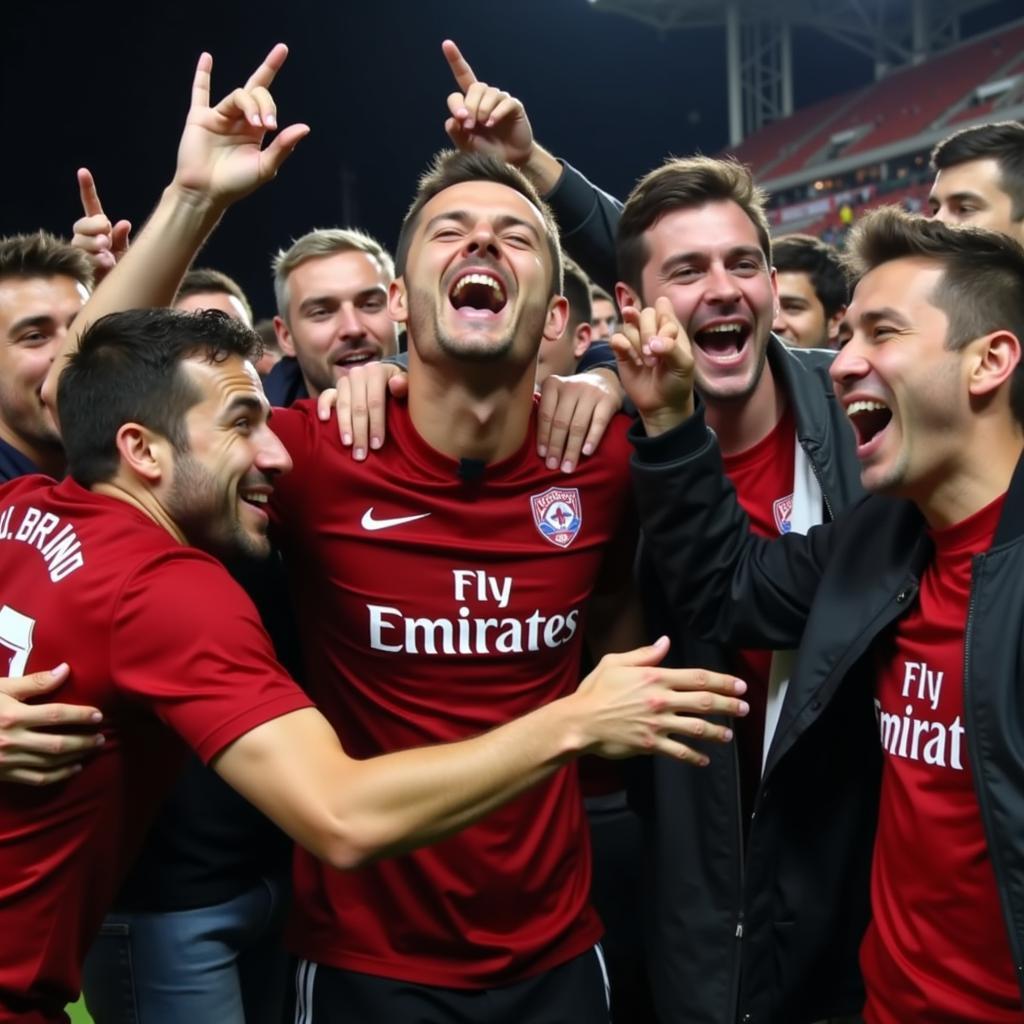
pixel 187 642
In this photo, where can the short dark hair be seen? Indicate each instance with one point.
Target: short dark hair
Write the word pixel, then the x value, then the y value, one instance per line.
pixel 804 254
pixel 982 285
pixel 128 369
pixel 576 289
pixel 450 167
pixel 685 184
pixel 1002 141
pixel 200 280
pixel 41 254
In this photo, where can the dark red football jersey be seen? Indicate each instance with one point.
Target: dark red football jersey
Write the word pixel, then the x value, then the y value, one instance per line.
pixel 152 630
pixel 436 602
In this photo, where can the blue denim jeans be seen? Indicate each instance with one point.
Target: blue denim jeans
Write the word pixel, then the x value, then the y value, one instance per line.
pixel 223 964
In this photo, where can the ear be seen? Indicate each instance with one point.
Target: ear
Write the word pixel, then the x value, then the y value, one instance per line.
pixel 398 301
pixel 833 326
pixel 284 337
pixel 144 454
pixel 582 337
pixel 625 296
pixel 557 318
pixel 993 364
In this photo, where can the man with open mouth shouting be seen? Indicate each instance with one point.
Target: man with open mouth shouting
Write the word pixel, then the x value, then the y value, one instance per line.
pixel 908 610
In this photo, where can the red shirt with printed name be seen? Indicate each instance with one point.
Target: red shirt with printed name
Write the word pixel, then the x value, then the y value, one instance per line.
pixel 936 951
pixel 156 634
pixel 763 478
pixel 433 608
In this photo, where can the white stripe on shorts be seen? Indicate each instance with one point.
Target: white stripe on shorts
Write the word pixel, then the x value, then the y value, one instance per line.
pixel 604 974
pixel 305 975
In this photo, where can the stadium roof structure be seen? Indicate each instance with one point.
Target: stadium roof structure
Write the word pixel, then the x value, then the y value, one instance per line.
pixel 759 48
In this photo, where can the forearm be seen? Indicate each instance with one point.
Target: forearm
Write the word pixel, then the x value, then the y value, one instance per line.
pixel 415 797
pixel 150 272
pixel 542 168
pixel 587 218
pixel 349 812
pixel 729 585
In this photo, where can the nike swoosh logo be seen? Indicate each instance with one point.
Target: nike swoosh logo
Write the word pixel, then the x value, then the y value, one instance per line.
pixel 369 523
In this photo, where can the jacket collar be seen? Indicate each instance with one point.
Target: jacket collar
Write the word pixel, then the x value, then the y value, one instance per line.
pixel 792 369
pixel 1011 522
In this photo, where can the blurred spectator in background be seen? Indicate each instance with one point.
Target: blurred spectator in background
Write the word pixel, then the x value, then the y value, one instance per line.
pixel 813 291
pixel 979 178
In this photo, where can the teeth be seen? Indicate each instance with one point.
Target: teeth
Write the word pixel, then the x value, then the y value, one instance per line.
pixel 484 279
pixel 855 407
pixel 721 329
pixel 256 499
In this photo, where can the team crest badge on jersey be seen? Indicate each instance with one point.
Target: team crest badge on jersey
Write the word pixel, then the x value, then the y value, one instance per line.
pixel 558 514
pixel 783 511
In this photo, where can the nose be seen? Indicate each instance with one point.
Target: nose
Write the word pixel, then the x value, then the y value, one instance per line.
pixel 272 457
pixel 482 239
pixel 350 326
pixel 780 324
pixel 721 285
pixel 849 365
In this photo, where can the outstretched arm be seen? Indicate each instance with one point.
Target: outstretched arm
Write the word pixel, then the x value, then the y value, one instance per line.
pixel 221 158
pixel 348 812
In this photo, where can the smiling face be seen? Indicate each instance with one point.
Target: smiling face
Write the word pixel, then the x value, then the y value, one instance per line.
pixel 904 391
pixel 477 281
pixel 35 313
pixel 337 316
pixel 707 260
pixel 220 486
pixel 801 319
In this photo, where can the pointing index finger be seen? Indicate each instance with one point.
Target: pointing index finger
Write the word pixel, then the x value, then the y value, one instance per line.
pixel 87 191
pixel 201 81
pixel 264 75
pixel 463 73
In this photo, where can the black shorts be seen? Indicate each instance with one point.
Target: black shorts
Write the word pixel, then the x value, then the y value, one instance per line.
pixel 575 992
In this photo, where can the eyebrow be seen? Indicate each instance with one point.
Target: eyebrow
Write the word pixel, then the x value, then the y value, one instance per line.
pixel 242 403
pixel 702 256
pixel 42 320
pixel 872 316
pixel 467 219
pixel 332 300
pixel 957 196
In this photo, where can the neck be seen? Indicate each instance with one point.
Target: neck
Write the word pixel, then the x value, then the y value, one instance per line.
pixel 48 458
pixel 143 500
pixel 481 414
pixel 981 474
pixel 739 423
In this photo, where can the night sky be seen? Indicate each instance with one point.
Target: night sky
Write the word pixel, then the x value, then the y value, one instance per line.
pixel 106 86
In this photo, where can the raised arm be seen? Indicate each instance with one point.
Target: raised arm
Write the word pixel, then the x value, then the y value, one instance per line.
pixel 348 812
pixel 486 119
pixel 727 584
pixel 102 240
pixel 221 158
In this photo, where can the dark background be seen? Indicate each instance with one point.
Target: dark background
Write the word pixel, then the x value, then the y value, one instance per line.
pixel 106 86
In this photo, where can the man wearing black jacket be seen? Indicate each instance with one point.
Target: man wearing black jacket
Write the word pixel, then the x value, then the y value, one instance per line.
pixel 908 611
pixel 694 232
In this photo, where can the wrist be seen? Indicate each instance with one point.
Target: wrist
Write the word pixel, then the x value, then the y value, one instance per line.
pixel 660 421
pixel 191 200
pixel 542 169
